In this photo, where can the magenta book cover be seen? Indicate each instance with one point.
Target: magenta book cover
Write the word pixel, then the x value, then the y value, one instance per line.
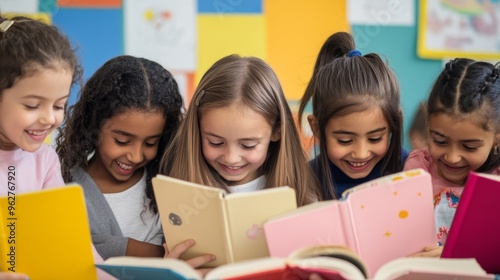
pixel 475 232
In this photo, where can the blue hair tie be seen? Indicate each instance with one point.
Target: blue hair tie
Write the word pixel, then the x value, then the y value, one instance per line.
pixel 354 52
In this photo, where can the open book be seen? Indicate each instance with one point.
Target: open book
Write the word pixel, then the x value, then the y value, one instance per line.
pixel 474 232
pixel 46 235
pixel 381 220
pixel 226 225
pixel 329 262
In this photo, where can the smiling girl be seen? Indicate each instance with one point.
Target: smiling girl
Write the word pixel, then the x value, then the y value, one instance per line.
pixel 356 117
pixel 463 113
pixel 239 133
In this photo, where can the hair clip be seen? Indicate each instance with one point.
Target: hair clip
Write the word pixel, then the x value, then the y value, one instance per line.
pixel 200 96
pixel 354 52
pixel 5 25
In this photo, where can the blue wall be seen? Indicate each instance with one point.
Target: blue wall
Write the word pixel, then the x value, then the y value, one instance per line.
pixel 398 44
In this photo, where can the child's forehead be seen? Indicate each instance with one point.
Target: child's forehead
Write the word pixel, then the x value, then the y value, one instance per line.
pixel 366 120
pixel 462 125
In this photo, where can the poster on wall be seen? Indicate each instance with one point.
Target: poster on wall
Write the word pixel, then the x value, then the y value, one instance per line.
pixel 163 31
pixel 19 6
pixel 465 28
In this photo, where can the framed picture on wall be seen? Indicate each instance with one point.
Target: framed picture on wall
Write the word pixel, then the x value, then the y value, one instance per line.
pixel 465 28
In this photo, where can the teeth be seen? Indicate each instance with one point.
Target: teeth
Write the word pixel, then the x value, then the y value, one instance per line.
pixel 124 166
pixel 36 132
pixel 233 167
pixel 358 164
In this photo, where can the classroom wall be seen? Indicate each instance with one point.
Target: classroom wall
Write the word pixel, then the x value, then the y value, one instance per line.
pixel 398 44
pixel 286 33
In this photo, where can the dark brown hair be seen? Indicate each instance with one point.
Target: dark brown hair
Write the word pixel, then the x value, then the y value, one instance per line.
pixel 30 45
pixel 467 88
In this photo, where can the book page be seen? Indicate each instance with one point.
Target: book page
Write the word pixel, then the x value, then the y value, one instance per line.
pixel 246 214
pixel 431 268
pixel 246 267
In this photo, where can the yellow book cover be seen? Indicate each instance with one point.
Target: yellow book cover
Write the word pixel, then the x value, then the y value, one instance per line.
pixel 226 225
pixel 46 235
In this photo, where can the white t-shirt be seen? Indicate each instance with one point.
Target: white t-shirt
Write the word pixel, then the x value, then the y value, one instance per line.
pixel 134 221
pixel 255 185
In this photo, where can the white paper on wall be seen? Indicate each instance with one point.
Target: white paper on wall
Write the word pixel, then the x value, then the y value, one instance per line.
pixel 19 6
pixel 381 12
pixel 163 31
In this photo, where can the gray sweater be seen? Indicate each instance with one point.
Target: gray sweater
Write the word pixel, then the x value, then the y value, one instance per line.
pixel 106 233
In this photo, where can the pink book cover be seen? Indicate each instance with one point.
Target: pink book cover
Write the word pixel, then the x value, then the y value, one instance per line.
pixel 313 224
pixel 381 220
pixel 474 232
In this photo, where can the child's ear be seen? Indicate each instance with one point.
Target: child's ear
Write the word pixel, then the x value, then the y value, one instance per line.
pixel 314 125
pixel 276 135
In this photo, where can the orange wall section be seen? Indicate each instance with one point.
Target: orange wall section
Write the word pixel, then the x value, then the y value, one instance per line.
pixel 295 32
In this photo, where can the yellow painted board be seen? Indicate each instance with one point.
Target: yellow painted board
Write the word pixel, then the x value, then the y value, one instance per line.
pixel 221 35
pixel 295 32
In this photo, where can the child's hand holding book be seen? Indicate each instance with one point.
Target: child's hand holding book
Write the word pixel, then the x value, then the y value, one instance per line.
pixel 195 262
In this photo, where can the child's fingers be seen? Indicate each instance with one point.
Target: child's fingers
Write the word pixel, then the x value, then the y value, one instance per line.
pixel 429 252
pixel 201 260
pixel 431 248
pixel 180 248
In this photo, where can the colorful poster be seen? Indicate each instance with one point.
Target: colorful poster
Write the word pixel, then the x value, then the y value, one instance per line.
pixel 465 28
pixel 162 31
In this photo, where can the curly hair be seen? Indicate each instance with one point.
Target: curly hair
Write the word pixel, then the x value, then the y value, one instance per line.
pixel 121 84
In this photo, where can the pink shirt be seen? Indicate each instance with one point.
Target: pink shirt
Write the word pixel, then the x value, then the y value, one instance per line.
pixel 446 194
pixel 28 172
pixel 422 159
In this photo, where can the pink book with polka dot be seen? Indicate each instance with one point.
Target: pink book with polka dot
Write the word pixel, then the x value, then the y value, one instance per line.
pixel 381 220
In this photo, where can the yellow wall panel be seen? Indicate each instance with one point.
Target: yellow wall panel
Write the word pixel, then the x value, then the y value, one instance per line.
pixel 221 35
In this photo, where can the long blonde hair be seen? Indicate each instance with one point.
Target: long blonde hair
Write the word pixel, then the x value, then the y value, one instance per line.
pixel 251 82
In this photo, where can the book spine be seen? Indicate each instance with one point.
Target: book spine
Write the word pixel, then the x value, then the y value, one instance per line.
pixel 348 225
pixel 228 240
